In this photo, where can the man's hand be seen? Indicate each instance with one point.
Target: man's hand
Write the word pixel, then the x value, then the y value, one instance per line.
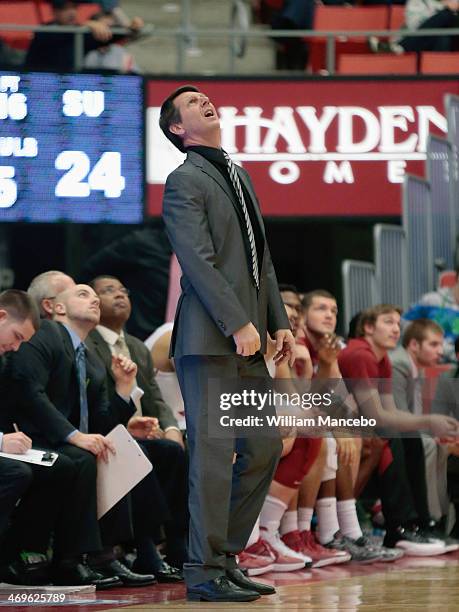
pixel 175 436
pixel 285 347
pixel 136 24
pixel 99 30
pixel 348 451
pixel 247 340
pixel 16 443
pixel 94 443
pixel 302 354
pixel 443 426
pixel 144 428
pixel 329 349
pixel 124 370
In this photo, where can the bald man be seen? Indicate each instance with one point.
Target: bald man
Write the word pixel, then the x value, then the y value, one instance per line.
pixel 44 289
pixel 61 402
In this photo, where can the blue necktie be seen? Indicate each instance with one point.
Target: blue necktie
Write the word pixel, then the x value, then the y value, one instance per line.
pixel 81 372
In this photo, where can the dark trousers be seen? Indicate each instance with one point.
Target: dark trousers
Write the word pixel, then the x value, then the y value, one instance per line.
pixel 224 500
pixel 42 492
pixel 170 463
pixel 442 19
pixel 402 485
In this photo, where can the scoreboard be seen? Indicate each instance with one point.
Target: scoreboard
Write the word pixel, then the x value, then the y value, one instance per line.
pixel 71 148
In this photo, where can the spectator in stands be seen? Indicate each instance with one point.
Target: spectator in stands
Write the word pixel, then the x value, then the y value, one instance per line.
pixel 55 51
pixel 292 53
pixel 422 347
pixel 401 477
pixel 60 398
pixel 422 15
pixel 164 445
pixel 45 287
pixel 442 306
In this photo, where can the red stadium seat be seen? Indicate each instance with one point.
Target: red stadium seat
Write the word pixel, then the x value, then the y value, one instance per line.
pixel 396 17
pixel 447 278
pixel 439 63
pixel 377 64
pixel 345 18
pixel 21 13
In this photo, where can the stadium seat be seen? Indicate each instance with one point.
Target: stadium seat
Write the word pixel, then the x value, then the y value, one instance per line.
pixel 396 17
pixel 22 13
pixel 439 63
pixel 344 18
pixel 447 278
pixel 377 64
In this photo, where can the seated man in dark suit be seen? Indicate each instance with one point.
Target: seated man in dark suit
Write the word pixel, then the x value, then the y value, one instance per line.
pixel 61 401
pixel 163 443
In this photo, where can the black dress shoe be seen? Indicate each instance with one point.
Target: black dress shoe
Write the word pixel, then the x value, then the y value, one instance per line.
pixel 219 589
pixel 168 573
pixel 80 574
pixel 27 573
pixel 127 577
pixel 238 578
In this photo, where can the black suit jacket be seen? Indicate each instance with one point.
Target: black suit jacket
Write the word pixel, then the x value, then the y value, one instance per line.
pixel 45 388
pixel 152 401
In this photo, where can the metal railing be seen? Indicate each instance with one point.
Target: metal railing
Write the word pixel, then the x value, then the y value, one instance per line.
pixel 186 33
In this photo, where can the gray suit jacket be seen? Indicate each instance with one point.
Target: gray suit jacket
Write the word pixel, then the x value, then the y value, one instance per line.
pixel 152 401
pixel 218 296
pixel 403 381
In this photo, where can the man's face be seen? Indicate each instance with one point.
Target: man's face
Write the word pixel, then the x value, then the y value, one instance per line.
pixel 57 284
pixel 292 305
pixel 428 352
pixel 114 300
pixel 13 332
pixel 386 331
pixel 66 15
pixel 320 317
pixel 198 117
pixel 79 303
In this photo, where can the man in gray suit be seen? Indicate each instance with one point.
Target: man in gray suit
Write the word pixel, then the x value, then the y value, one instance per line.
pixel 422 346
pixel 230 300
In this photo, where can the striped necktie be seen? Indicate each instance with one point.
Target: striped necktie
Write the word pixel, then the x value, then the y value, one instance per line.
pixel 81 371
pixel 240 194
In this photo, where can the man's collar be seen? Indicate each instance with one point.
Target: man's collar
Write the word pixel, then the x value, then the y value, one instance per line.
pixel 109 335
pixel 74 337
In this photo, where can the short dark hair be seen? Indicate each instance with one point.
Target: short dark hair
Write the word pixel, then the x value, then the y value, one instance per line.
pixel 308 297
pixel 284 287
pixel 92 283
pixel 417 331
pixel 370 316
pixel 20 306
pixel 169 114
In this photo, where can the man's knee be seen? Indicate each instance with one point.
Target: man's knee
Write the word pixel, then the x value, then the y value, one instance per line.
pixel 17 475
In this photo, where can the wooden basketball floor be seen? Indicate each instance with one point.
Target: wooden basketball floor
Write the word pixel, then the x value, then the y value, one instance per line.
pixel 430 583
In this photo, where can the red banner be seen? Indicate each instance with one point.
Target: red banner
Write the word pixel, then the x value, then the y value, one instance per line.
pixel 313 148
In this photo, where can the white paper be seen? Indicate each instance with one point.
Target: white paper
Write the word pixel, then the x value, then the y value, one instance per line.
pixel 122 472
pixel 33 455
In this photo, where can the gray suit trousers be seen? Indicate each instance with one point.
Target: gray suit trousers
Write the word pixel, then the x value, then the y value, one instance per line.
pixel 225 500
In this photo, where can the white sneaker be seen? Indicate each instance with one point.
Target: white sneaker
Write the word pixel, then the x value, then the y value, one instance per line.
pixel 274 540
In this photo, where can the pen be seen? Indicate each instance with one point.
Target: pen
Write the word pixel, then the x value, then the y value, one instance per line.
pixel 16 428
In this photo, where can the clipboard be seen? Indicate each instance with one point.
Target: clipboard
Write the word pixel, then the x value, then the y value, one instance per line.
pixel 122 472
pixel 35 456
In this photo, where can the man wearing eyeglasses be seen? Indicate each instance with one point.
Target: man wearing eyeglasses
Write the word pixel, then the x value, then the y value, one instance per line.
pixel 155 425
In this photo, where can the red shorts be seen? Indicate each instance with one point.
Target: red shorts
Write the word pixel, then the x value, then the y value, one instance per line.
pixel 293 467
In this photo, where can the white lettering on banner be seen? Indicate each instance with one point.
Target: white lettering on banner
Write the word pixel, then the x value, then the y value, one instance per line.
pixel 13 146
pixel 76 103
pixel 396 171
pixel 291 135
pixel 338 173
pixel 9 82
